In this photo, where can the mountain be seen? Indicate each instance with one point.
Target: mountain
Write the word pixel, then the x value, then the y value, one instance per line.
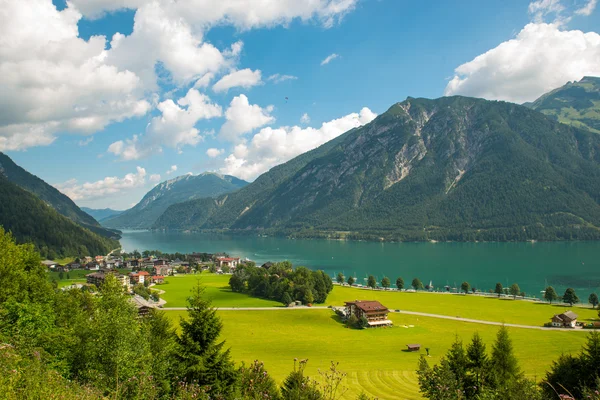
pixel 183 188
pixel 454 168
pixel 102 214
pixel 32 220
pixel 576 104
pixel 51 196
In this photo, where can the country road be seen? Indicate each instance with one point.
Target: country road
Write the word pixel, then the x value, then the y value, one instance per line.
pixel 469 320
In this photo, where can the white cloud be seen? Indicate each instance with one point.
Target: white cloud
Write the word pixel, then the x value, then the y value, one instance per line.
pixel 329 59
pixel 154 178
pixel 51 81
pixel 588 9
pixel 271 147
pixel 85 142
pixel 278 78
pixel 174 128
pixel 204 81
pixel 241 14
pixel 245 78
pixel 540 8
pixel 172 169
pixel 242 117
pixel 213 152
pixel 305 119
pixel 540 58
pixel 108 186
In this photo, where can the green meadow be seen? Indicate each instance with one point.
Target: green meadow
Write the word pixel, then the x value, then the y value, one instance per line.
pixel 374 359
pixel 506 310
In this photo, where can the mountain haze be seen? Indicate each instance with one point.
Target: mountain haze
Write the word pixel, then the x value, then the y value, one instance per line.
pixel 576 104
pixel 101 214
pixel 180 189
pixel 453 168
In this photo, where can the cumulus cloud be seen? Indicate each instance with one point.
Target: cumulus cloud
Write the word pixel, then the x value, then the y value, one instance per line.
pixel 540 58
pixel 588 8
pixel 278 78
pixel 241 14
pixel 243 117
pixel 270 147
pixel 329 59
pixel 172 169
pixel 305 119
pixel 245 78
pixel 213 152
pixel 204 81
pixel 108 186
pixel 52 81
pixel 174 128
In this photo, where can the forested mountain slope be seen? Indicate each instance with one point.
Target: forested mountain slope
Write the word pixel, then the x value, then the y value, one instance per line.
pixel 32 220
pixel 576 104
pixel 453 168
pixel 51 196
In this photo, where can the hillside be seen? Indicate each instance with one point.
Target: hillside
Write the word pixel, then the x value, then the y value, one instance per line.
pixel 453 168
pixel 32 220
pixel 180 189
pixel 576 104
pixel 101 214
pixel 51 196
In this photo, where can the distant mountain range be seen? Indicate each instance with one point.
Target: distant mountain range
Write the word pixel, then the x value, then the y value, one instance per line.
pixel 576 104
pixel 187 187
pixel 38 213
pixel 101 214
pixel 453 168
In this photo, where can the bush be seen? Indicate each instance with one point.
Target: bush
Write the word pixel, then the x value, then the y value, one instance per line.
pixel 363 322
pixel 352 321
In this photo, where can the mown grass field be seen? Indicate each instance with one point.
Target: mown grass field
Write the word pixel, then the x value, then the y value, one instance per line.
pixel 374 358
pixel 177 290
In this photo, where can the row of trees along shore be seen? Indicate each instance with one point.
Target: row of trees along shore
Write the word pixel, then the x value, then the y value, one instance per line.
pixel 514 290
pixel 474 373
pixel 71 344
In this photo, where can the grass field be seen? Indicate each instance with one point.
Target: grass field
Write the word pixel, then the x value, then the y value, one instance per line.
pixel 177 290
pixel 374 358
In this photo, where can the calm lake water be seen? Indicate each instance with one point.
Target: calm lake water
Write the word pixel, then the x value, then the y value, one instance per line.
pixel 531 265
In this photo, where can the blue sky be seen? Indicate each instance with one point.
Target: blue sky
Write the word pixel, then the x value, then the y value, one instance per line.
pixel 93 116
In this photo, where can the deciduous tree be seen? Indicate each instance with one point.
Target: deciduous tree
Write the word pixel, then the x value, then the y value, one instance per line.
pixel 515 290
pixel 417 284
pixel 570 296
pixel 550 294
pixel 400 283
pixel 593 300
pixel 371 282
pixel 499 289
pixel 465 287
pixel 385 282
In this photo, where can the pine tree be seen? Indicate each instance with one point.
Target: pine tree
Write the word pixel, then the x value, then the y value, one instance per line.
pixel 299 387
pixel 504 364
pixel 201 358
pixel 477 363
pixel 457 359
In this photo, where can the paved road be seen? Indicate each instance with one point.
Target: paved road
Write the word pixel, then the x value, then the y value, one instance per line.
pixel 474 321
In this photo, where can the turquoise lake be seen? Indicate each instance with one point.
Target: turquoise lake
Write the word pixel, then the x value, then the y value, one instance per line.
pixel 531 265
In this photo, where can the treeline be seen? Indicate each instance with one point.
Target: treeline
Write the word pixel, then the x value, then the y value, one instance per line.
pixel 55 236
pixel 282 283
pixel 135 254
pixel 75 345
pixel 474 373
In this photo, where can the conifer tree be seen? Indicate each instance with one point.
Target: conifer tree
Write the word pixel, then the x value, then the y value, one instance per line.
pixel 201 357
pixel 477 363
pixel 504 364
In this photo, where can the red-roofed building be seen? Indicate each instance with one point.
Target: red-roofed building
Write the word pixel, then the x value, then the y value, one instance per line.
pixel 158 279
pixel 138 277
pixel 231 262
pixel 375 312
